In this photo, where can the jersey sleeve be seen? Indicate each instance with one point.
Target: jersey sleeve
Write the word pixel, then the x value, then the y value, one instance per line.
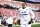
pixel 31 12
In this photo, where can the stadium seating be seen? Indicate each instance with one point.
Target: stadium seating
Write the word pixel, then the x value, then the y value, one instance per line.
pixel 15 13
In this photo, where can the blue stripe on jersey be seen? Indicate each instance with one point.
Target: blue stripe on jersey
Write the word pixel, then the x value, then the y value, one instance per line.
pixel 24 12
pixel 30 9
pixel 26 9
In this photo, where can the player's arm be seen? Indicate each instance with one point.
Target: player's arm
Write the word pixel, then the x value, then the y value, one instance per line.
pixel 18 14
pixel 32 13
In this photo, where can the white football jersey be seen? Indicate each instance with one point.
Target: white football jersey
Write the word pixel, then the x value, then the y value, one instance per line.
pixel 25 13
pixel 9 21
pixel 0 21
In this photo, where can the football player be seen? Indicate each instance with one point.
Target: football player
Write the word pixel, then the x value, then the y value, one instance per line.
pixel 24 15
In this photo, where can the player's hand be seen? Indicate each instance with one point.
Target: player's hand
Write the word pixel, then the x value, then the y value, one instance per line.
pixel 32 18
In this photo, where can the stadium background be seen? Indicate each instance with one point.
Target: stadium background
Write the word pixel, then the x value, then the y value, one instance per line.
pixel 17 5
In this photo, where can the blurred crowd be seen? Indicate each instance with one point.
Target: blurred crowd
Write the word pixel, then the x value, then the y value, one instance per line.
pixel 8 11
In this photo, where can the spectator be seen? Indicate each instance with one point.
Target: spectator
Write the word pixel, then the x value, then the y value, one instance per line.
pixel 9 21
